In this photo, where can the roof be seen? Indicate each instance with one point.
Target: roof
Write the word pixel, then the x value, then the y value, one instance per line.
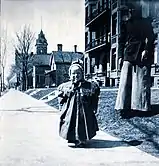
pixel 66 57
pixel 57 56
pixel 42 59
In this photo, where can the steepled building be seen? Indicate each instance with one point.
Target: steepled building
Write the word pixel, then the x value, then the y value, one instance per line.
pixel 49 69
pixel 41 44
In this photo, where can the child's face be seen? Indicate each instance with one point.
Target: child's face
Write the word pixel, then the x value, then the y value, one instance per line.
pixel 76 74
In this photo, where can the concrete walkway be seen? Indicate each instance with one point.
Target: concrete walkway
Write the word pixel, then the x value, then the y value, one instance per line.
pixel 29 137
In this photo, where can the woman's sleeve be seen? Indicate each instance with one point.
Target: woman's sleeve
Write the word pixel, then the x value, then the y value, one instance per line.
pixel 122 41
pixel 95 96
pixel 150 46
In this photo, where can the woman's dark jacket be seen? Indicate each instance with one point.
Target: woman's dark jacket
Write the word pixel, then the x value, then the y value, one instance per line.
pixel 136 36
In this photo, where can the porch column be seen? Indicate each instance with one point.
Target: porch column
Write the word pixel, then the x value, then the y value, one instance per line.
pixel 157 49
pixel 88 65
pixel 100 70
pixel 111 82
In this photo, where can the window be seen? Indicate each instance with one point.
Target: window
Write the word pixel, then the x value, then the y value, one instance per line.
pixel 86 38
pixel 86 13
pixel 93 8
pixel 113 59
pixel 114 24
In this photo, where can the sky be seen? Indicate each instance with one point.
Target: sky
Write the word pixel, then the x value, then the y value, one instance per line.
pixel 62 22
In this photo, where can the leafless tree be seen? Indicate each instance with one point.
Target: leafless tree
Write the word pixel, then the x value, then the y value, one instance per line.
pixel 3 54
pixel 23 55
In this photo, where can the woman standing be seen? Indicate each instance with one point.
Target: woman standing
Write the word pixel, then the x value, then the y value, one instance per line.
pixel 78 100
pixel 136 48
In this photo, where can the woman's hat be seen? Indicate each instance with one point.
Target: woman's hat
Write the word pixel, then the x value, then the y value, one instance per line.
pixel 127 7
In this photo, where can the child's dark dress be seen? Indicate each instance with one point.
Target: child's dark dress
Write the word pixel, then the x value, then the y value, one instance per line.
pixel 78 104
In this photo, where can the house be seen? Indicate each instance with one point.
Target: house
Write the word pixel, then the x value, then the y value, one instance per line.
pixel 60 62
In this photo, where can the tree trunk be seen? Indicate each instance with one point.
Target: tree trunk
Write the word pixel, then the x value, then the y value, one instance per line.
pixel 23 78
pixel 3 87
pixel 26 75
pixel 1 83
pixel 26 72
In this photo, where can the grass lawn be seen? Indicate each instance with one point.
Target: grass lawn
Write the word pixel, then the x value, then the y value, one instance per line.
pixel 42 93
pixel 142 132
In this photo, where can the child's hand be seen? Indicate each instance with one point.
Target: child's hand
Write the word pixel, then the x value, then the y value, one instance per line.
pixel 69 92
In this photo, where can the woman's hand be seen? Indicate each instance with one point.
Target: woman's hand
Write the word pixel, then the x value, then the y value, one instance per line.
pixel 120 61
pixel 144 55
pixel 95 111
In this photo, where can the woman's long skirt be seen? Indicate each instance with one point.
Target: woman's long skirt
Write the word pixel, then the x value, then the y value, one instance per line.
pixel 134 88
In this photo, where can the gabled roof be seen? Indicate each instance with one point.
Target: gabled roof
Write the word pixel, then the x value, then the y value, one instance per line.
pixel 65 56
pixel 57 57
pixel 42 59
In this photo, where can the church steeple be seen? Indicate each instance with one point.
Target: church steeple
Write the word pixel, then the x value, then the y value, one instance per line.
pixel 41 44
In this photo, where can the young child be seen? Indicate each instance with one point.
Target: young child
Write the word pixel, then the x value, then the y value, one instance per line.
pixel 78 101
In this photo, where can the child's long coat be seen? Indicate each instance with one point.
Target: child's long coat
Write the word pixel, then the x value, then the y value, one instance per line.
pixel 78 104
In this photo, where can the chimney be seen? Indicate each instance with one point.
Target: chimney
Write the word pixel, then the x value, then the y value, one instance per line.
pixel 59 47
pixel 75 48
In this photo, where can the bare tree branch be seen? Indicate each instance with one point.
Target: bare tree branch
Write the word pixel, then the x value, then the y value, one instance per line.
pixel 24 58
pixel 3 54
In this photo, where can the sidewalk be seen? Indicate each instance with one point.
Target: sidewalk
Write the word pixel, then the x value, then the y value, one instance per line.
pixel 31 139
pixel 16 100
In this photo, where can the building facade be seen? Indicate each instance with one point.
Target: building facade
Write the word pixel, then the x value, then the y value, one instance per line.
pixel 97 39
pixel 102 30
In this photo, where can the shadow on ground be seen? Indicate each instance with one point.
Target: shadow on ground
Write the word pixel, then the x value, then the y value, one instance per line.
pixel 154 111
pixel 134 113
pixel 155 108
pixel 96 143
pixel 101 144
